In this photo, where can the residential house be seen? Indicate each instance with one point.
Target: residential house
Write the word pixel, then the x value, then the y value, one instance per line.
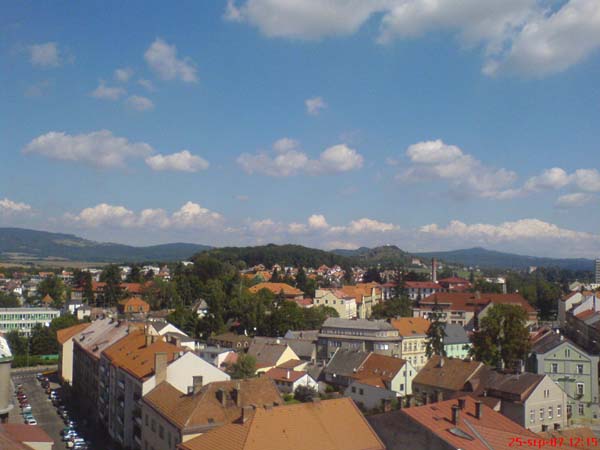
pixel 378 336
pixel 19 436
pixel 574 369
pixel 344 304
pixel 216 355
pixel 289 292
pixel 133 305
pixel 443 377
pixel 134 366
pixel 231 340
pixel 413 331
pixel 172 416
pixel 459 424
pixel 328 424
pixel 466 308
pixel 87 348
pixel 65 351
pixel 379 379
pixel 304 343
pixel 456 342
pixel 287 379
pixel 417 290
pixel 270 354
pixel 455 284
pixel 161 328
pixel 366 296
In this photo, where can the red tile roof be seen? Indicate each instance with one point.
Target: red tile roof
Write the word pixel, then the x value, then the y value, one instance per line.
pixel 65 334
pixel 25 433
pixel 468 301
pixel 422 285
pixel 289 375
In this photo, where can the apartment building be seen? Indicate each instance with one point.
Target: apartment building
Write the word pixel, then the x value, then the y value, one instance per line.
pixel 65 351
pixel 24 319
pixel 344 304
pixel 413 331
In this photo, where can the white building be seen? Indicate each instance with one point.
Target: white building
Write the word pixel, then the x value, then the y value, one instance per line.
pixel 24 319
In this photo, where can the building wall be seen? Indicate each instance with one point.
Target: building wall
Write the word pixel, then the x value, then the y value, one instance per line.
pixel 346 308
pixel 158 433
pixel 65 361
pixel 5 387
pixel 460 351
pixel 367 396
pixel 24 319
pixel 85 383
pixel 413 349
pixel 327 345
pixel 539 402
pixel 180 372
pixel 288 387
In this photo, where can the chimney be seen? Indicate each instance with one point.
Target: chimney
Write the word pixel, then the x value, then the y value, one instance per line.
pixel 197 383
pixel 246 413
pixel 236 396
pixel 222 397
pixel 160 367
pixel 149 340
pixel 461 403
pixel 434 270
pixel 456 415
pixel 478 409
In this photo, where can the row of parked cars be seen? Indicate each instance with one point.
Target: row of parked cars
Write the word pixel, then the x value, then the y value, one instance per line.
pixel 23 400
pixel 70 434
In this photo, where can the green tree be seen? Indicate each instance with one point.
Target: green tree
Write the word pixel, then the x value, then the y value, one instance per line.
pixel 305 394
pixel 315 316
pixel 16 342
pixel 54 287
pixel 244 367
pixel 287 316
pixel 301 279
pixel 112 293
pixel 9 300
pixel 43 341
pixel 372 275
pixel 275 278
pixel 161 294
pixel 436 332
pixel 502 336
pixel 135 276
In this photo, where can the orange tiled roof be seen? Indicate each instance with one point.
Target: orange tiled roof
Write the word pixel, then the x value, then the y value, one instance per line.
pixel 65 334
pixel 452 376
pixel 47 299
pixel 276 288
pixel 411 326
pixel 585 314
pixel 280 374
pixel 204 408
pixel 360 290
pixel 25 433
pixel 135 302
pixel 468 301
pixel 325 425
pixel 379 368
pixel 133 355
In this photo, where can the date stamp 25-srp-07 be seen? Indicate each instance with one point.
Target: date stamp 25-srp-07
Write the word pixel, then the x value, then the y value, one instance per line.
pixel 556 442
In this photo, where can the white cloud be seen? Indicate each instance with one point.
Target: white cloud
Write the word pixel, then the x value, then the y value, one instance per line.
pixel 531 37
pixel 162 59
pixel 182 161
pixel 289 160
pixel 317 222
pixel 587 180
pixel 10 207
pixel 147 84
pixel 552 41
pixel 98 148
pixel 574 200
pixel 45 55
pixel 314 105
pixel 123 74
pixel 435 160
pixel 554 178
pixel 105 92
pixel 366 225
pixel 139 103
pixel 189 216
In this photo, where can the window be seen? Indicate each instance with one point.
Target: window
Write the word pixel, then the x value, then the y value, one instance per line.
pixel 532 415
pixel 580 409
pixel 567 352
pixel 580 369
pixel 558 410
pixel 546 393
pixel 153 426
pixel 361 392
pixel 580 387
pixel 541 413
pixel 161 432
pixel 353 390
pixel 146 419
pixel 402 387
pixel 550 412
pixel 169 438
pixel 568 410
pixel 554 368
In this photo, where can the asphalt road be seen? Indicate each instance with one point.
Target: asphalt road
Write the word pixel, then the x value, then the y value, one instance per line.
pixel 41 407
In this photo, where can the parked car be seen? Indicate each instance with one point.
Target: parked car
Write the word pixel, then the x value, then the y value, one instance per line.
pixel 26 409
pixel 31 421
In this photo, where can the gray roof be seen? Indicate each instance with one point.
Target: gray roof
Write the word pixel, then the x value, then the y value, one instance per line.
pixel 305 335
pixel 346 362
pixel 303 348
pixel 266 353
pixel 358 324
pixel 455 334
pixel 550 341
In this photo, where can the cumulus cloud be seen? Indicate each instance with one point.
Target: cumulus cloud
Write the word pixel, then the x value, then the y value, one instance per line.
pixel 314 105
pixel 98 148
pixel 436 160
pixel 139 103
pixel 189 216
pixel 9 207
pixel 162 59
pixel 587 180
pixel 182 161
pixel 317 223
pixel 123 74
pixel 147 84
pixel 574 200
pixel 530 37
pixel 554 178
pixel 105 92
pixel 45 55
pixel 289 160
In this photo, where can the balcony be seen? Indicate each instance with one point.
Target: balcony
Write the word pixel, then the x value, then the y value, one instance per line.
pixel 138 441
pixel 121 385
pixel 120 419
pixel 138 421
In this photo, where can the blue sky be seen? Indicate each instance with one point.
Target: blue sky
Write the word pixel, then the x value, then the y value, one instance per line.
pixel 338 123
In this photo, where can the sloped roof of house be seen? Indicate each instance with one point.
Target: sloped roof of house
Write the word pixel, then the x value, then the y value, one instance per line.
pixel 455 334
pixel 548 341
pixel 346 362
pixel 101 334
pixel 411 326
pixel 491 431
pixel 276 288
pixel 267 354
pixel 138 359
pixel 187 411
pixel 468 301
pixel 358 324
pixel 379 370
pixel 48 300
pixel 360 290
pixel 65 334
pixel 421 285
pixel 451 376
pixel 25 433
pixel 281 374
pixel 325 425
pixel 134 301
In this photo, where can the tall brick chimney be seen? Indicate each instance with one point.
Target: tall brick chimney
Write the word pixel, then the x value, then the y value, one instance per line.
pixel 160 367
pixel 434 270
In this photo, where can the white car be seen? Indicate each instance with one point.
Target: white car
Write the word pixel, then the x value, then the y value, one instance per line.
pixel 31 421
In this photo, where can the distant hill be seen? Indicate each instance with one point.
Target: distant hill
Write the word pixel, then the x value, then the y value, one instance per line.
pixel 22 244
pixel 285 255
pixel 385 255
pixel 481 257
